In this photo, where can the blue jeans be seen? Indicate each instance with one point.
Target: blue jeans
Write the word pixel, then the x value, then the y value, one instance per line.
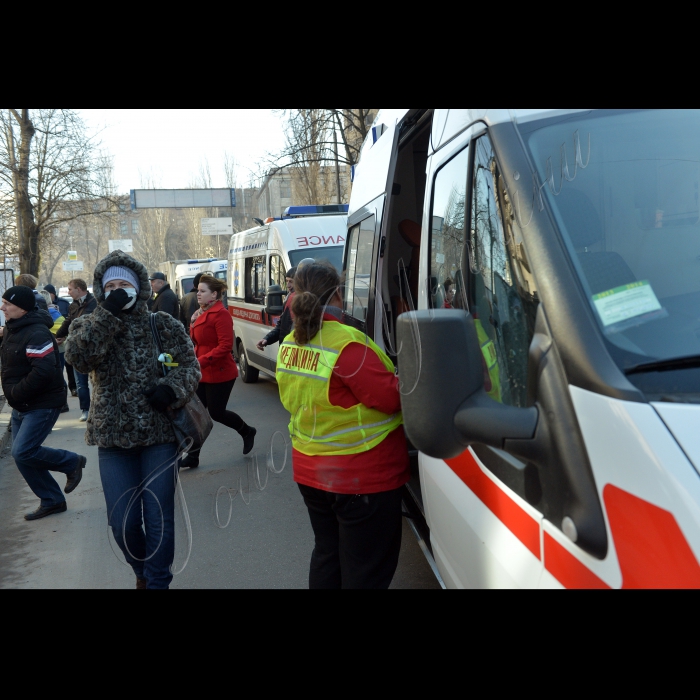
pixel 81 382
pixel 29 430
pixel 139 488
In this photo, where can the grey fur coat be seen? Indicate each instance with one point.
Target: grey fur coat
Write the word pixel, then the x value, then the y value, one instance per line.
pixel 120 354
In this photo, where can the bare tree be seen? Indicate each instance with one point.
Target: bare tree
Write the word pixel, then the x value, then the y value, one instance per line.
pixel 47 160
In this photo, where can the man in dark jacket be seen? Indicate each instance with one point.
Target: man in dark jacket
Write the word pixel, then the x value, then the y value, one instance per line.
pixel 189 303
pixel 286 322
pixel 165 298
pixel 83 303
pixel 33 385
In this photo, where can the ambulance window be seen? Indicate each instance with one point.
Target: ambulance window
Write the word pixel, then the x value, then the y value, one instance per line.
pixel 359 268
pixel 255 280
pixel 447 236
pixel 277 271
pixel 500 299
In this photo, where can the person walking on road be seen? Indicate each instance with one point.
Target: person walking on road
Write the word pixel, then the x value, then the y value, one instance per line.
pixel 164 298
pixel 27 280
pixel 33 384
pixel 189 304
pixel 64 307
pixel 286 320
pixel 349 452
pixel 137 447
pixel 83 304
pixel 58 320
pixel 212 335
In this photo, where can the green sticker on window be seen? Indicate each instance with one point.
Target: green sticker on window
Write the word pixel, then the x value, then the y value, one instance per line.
pixel 626 302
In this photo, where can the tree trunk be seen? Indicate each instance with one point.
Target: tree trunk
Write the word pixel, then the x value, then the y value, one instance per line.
pixel 29 233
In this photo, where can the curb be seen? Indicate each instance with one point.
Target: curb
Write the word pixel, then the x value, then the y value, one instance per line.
pixel 5 434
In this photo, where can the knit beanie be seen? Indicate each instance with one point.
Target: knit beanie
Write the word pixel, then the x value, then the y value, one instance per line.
pixel 50 289
pixel 116 272
pixel 21 296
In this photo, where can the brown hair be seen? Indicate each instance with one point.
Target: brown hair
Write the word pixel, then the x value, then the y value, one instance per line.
pixel 26 280
pixel 214 284
pixel 80 284
pixel 315 285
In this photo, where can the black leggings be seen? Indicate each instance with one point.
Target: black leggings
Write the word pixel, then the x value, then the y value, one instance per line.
pixel 215 397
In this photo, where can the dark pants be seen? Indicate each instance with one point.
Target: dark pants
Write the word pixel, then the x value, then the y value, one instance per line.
pixel 81 381
pixel 139 488
pixel 69 374
pixel 29 430
pixel 215 397
pixel 357 538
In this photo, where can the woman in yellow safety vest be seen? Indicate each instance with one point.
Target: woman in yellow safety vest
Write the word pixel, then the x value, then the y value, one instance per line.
pixel 348 446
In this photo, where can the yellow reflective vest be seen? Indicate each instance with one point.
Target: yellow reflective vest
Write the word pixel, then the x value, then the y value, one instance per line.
pixel 488 350
pixel 317 427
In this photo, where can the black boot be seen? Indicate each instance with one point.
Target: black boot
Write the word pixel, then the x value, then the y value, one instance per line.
pixel 248 435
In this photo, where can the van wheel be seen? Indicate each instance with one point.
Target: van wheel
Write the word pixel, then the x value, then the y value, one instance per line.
pixel 248 374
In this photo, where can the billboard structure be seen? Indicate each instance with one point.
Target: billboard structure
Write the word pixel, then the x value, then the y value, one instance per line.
pixel 182 199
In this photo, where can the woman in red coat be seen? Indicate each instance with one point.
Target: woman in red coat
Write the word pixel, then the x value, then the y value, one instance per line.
pixel 211 331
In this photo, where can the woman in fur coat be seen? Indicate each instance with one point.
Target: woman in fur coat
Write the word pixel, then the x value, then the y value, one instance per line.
pixel 137 447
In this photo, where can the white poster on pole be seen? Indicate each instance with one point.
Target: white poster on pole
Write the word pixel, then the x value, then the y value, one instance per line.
pixel 72 255
pixel 222 226
pixel 73 266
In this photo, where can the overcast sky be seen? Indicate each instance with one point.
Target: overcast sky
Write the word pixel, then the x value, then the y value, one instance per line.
pixel 170 144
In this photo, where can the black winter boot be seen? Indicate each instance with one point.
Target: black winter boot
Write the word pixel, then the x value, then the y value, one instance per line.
pixel 248 435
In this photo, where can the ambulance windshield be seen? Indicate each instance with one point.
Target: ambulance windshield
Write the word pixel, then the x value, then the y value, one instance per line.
pixel 334 255
pixel 623 187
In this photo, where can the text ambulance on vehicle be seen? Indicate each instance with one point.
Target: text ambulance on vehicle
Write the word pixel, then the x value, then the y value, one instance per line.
pixel 550 374
pixel 259 258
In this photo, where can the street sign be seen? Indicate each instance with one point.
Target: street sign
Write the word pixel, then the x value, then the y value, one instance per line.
pixel 123 244
pixel 217 227
pixel 182 199
pixel 72 255
pixel 73 265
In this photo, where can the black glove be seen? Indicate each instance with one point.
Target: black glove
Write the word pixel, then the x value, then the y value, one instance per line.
pixel 160 396
pixel 116 301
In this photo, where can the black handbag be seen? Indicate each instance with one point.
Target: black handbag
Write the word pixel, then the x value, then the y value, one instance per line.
pixel 192 420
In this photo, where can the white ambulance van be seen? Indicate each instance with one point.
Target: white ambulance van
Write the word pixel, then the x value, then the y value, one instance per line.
pixel 181 273
pixel 536 276
pixel 259 258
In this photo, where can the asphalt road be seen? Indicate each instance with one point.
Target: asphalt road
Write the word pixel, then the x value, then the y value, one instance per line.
pixel 265 543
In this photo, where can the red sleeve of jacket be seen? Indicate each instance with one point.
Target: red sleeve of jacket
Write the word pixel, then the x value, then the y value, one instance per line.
pixel 360 376
pixel 224 334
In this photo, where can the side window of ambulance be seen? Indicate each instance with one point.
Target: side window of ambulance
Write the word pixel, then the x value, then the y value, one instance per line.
pixel 277 271
pixel 500 302
pixel 255 280
pixel 359 268
pixel 447 234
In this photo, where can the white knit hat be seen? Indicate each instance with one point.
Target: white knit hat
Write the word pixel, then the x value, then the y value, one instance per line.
pixel 116 272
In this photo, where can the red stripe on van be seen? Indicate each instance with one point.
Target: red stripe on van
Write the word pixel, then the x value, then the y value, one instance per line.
pixel 651 549
pixel 566 568
pixel 515 518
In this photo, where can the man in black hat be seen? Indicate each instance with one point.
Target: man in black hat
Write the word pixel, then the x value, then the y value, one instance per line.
pixel 164 298
pixel 32 382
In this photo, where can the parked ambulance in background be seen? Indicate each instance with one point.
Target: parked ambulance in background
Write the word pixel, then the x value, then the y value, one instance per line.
pixel 181 273
pixel 550 373
pixel 258 258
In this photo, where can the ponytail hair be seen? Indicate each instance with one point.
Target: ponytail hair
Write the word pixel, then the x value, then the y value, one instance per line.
pixel 314 286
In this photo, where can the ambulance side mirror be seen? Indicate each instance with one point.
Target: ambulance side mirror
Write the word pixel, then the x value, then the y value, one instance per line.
pixel 445 406
pixel 273 300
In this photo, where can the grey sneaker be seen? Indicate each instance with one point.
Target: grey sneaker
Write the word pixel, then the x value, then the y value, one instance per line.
pixel 84 416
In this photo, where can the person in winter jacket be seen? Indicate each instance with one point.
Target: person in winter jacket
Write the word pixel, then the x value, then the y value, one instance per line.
pixel 33 385
pixel 137 447
pixel 286 320
pixel 83 303
pixel 62 305
pixel 58 320
pixel 27 280
pixel 349 450
pixel 165 298
pixel 212 335
pixel 189 304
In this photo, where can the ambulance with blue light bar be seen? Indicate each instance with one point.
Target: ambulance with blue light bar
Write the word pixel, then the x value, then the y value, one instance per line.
pixel 180 274
pixel 535 274
pixel 259 258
